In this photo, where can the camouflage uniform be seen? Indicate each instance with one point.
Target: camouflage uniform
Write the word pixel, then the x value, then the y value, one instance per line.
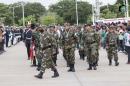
pixel 37 37
pixel 98 40
pixel 48 42
pixel 63 38
pixel 90 45
pixel 36 44
pixel 69 49
pixel 81 47
pixel 54 34
pixel 111 40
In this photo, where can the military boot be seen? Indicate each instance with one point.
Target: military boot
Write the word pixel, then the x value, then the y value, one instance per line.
pixel 90 67
pixel 70 68
pixel 83 58
pixel 73 68
pixel 34 63
pixel 95 66
pixel 56 74
pixel 116 63
pixel 55 63
pixel 110 62
pixel 38 67
pixel 39 75
pixel 68 64
pixel 96 63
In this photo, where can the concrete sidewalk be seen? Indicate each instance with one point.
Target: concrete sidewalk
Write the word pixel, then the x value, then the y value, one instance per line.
pixel 15 70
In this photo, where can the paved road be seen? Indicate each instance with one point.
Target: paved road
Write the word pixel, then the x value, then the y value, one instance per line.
pixel 15 70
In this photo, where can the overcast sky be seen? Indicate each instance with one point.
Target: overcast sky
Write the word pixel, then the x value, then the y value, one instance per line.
pixel 46 3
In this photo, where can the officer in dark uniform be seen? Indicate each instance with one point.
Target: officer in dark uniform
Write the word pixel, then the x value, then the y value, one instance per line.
pixel 7 37
pixel 28 39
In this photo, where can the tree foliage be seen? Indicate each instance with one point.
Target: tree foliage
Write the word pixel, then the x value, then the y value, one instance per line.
pixel 113 11
pixel 5 14
pixel 30 18
pixel 67 10
pixel 35 9
pixel 63 11
pixel 106 13
pixel 51 18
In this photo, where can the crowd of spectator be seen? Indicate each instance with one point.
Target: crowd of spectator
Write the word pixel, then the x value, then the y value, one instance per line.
pixel 9 36
pixel 123 30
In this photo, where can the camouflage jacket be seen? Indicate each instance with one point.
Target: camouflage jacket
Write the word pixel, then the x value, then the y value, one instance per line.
pixel 69 40
pixel 36 39
pixel 91 38
pixel 48 43
pixel 56 43
pixel 112 39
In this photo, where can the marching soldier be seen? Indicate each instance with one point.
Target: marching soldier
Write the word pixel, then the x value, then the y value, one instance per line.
pixel 69 47
pixel 90 46
pixel 81 47
pixel 98 41
pixel 47 43
pixel 55 48
pixel 34 44
pixel 111 40
pixel 37 36
pixel 63 39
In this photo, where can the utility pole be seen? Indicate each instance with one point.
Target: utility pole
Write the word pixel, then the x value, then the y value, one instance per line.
pixel 23 14
pixel 127 8
pixel 13 17
pixel 12 10
pixel 77 18
pixel 96 11
pixel 93 14
pixel 21 5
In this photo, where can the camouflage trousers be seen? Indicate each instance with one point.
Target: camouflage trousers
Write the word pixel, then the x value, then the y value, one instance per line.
pixel 64 54
pixel 39 56
pixel 92 53
pixel 82 53
pixel 112 52
pixel 70 55
pixel 47 62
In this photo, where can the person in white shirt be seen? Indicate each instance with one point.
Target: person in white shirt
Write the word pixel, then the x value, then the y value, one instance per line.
pixel 127 43
pixel 121 37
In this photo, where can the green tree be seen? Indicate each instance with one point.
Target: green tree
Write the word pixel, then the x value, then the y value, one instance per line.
pixel 35 9
pixel 106 13
pixel 67 10
pixel 5 14
pixel 30 18
pixel 113 10
pixel 51 18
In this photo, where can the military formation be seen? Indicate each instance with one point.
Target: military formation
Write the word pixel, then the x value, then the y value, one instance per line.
pixel 86 39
